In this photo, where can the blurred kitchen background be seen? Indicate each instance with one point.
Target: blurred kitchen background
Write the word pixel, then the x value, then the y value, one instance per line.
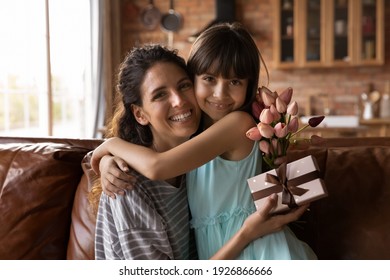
pixel 335 54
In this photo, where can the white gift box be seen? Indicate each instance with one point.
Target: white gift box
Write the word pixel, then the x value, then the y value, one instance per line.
pixel 303 173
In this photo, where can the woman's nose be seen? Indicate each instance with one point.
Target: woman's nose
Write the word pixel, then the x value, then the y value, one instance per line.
pixel 177 99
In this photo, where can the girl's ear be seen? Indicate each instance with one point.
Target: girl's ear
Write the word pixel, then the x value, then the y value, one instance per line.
pixel 139 115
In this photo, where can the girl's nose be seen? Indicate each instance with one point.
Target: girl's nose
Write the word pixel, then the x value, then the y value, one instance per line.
pixel 219 90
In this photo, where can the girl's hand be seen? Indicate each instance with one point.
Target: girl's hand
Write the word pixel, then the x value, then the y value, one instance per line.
pixel 97 155
pixel 114 176
pixel 256 226
pixel 262 222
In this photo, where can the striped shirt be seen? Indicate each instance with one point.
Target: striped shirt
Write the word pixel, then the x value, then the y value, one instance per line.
pixel 149 222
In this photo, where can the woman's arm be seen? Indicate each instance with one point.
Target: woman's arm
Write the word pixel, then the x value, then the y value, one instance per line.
pixel 256 226
pixel 226 135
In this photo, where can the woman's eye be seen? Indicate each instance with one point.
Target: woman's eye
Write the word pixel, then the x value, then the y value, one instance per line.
pixel 185 86
pixel 158 95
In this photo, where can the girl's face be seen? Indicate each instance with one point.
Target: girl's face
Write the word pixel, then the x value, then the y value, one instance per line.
pixel 217 96
pixel 168 105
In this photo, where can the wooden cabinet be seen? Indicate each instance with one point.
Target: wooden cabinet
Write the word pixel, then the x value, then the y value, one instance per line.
pixel 328 33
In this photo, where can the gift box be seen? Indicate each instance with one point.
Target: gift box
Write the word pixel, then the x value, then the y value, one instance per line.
pixel 295 183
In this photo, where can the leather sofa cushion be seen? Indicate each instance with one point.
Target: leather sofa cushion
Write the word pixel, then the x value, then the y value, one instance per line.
pixel 82 231
pixel 38 182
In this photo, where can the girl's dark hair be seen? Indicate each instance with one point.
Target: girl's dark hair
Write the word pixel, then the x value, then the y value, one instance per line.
pixel 225 47
pixel 130 77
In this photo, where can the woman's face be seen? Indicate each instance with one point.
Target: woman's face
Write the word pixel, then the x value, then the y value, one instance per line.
pixel 168 105
pixel 217 96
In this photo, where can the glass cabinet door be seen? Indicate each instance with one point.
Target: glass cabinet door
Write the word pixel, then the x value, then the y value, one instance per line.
pixel 287 31
pixel 368 29
pixel 341 31
pixel 313 30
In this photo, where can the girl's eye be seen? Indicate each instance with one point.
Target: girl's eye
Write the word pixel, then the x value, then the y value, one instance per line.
pixel 235 82
pixel 208 78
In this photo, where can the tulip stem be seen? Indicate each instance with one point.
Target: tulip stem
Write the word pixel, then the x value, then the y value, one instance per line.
pixel 299 130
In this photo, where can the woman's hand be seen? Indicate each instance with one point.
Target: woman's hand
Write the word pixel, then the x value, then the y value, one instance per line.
pixel 114 176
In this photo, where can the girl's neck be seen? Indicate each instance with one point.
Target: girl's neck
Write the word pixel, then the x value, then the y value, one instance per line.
pixel 207 121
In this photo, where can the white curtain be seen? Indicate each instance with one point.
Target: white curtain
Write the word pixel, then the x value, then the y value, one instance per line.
pixel 97 65
pixel 106 48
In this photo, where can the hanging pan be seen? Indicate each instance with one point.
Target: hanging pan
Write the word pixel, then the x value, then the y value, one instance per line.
pixel 150 16
pixel 172 20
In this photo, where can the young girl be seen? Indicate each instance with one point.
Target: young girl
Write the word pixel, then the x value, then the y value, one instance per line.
pixel 225 64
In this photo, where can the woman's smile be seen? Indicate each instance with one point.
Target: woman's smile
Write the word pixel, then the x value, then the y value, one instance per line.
pixel 181 117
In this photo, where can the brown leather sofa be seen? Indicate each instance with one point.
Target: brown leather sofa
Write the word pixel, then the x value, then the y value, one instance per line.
pixel 44 212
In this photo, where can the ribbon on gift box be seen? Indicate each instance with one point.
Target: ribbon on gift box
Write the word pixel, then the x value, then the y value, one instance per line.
pixel 288 187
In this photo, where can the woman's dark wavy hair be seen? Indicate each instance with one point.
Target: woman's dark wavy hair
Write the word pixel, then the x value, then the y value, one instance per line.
pixel 130 78
pixel 225 47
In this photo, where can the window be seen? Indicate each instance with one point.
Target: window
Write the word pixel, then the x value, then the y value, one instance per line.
pixel 45 69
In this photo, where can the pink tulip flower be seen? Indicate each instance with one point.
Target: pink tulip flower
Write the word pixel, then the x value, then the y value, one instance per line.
pixel 281 106
pixel 292 108
pixel 275 113
pixel 281 130
pixel 266 130
pixel 286 95
pixel 256 109
pixel 268 96
pixel 264 147
pixel 253 134
pixel 266 116
pixel 293 125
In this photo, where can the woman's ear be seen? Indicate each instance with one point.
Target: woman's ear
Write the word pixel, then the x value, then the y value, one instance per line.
pixel 139 115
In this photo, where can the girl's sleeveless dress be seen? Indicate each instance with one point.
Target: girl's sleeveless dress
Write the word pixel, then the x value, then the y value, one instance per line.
pixel 220 201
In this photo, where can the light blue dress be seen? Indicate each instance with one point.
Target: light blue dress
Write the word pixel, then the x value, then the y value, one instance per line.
pixel 220 201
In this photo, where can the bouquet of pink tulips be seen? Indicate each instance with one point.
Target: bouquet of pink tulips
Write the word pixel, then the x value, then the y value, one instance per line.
pixel 278 124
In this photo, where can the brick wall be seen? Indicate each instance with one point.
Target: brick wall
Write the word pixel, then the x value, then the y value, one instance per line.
pixel 342 85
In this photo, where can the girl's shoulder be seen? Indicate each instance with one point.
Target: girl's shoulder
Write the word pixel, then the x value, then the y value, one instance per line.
pixel 240 118
pixel 241 146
